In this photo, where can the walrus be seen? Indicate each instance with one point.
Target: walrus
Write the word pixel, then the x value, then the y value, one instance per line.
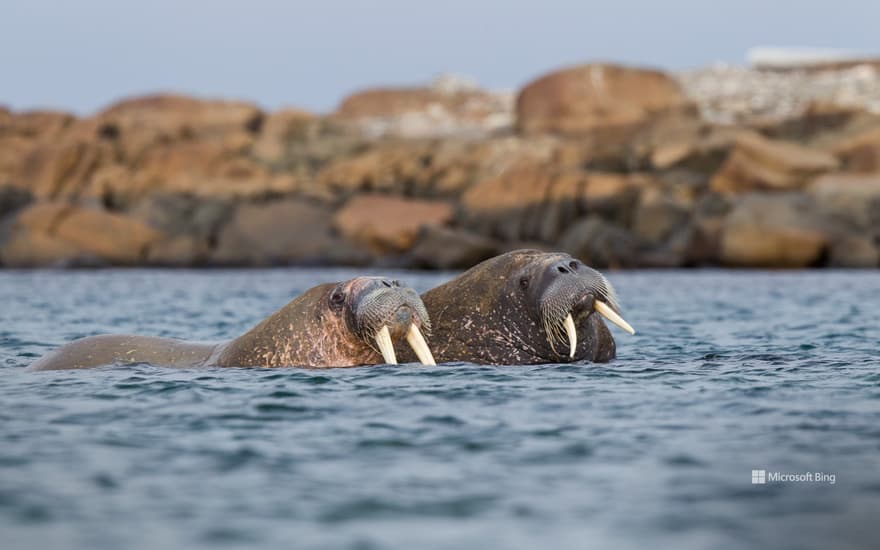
pixel 350 323
pixel 524 307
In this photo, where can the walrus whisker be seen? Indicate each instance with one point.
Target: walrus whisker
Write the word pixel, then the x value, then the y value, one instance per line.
pixel 386 346
pixel 605 311
pixel 417 342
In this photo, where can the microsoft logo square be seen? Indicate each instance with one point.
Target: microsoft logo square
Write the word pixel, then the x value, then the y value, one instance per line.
pixel 759 476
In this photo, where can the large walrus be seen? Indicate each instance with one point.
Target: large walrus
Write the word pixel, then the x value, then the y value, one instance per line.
pixel 332 325
pixel 524 307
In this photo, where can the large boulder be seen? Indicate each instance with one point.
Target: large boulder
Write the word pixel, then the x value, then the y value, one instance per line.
pixel 758 163
pixel 180 116
pixel 50 233
pixel 448 106
pixel 509 205
pixel 536 200
pixel 774 230
pixel 388 225
pixel 852 202
pixel 284 232
pixel 579 100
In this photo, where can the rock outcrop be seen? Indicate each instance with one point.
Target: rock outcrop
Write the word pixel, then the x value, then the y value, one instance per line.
pixel 621 166
pixel 580 100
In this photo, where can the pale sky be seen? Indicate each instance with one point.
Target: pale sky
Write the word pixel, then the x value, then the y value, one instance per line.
pixel 82 54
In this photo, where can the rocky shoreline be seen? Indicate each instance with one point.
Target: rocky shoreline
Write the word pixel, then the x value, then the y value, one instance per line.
pixel 623 167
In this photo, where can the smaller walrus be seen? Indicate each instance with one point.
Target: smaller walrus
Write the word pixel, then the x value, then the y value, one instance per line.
pixel 524 307
pixel 332 325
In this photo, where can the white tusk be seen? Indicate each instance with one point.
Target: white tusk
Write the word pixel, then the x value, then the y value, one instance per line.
pixel 418 345
pixel 383 338
pixel 606 311
pixel 572 335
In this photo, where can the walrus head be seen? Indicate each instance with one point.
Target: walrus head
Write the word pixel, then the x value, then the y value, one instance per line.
pixel 355 322
pixel 380 311
pixel 525 307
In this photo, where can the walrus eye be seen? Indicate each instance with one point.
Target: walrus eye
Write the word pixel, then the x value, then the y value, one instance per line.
pixel 337 298
pixel 524 283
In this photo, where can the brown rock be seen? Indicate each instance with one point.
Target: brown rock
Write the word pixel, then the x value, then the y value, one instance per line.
pixel 112 237
pixel 28 249
pixel 63 168
pixel 447 248
pixel 758 163
pixel 53 233
pixel 703 151
pixel 35 124
pixel 278 130
pixel 659 214
pixel 581 99
pixel 180 116
pixel 12 150
pixel 860 153
pixel 613 196
pixel 208 169
pixel 536 201
pixel 773 230
pixel 444 108
pixel 508 205
pixel 25 239
pixel 389 167
pixel 283 232
pixel 387 225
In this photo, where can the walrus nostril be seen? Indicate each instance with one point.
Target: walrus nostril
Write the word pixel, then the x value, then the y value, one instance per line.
pixel 562 269
pixel 387 283
pixel 574 265
pixel 404 315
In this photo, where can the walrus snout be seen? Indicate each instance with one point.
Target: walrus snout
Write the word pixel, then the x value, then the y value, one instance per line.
pixel 571 291
pixel 385 312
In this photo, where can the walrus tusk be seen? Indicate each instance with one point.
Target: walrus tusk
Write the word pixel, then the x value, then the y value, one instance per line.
pixel 572 335
pixel 606 311
pixel 418 345
pixel 383 338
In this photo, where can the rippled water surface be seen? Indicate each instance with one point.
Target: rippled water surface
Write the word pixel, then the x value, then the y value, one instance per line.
pixel 729 372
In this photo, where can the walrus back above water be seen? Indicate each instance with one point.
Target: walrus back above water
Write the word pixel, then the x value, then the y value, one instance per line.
pixel 332 325
pixel 524 307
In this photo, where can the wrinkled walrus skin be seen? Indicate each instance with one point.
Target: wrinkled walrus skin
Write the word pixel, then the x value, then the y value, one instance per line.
pixel 511 309
pixel 331 325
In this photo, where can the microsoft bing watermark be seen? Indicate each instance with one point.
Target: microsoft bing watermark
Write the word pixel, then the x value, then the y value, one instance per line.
pixel 761 477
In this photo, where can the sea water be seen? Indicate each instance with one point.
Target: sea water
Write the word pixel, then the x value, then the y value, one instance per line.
pixel 700 435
